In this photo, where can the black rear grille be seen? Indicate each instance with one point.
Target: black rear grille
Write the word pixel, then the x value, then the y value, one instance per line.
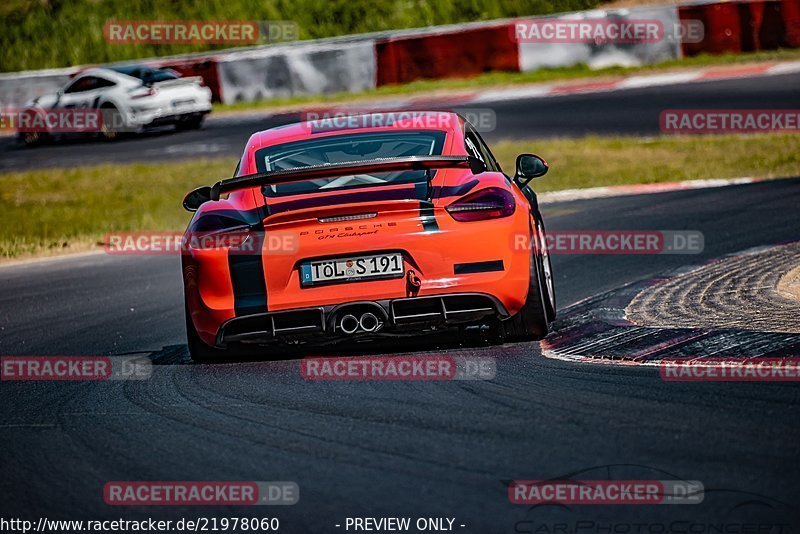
pixel 269 325
pixel 447 308
pixel 309 324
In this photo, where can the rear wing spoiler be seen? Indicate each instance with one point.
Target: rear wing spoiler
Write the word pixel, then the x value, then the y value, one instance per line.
pixel 196 198
pixel 177 82
pixel 329 170
pixel 332 170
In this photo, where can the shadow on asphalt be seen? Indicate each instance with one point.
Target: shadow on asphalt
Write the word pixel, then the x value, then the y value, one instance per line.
pixel 79 140
pixel 179 354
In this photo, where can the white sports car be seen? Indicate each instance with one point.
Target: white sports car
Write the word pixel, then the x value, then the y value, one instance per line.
pixel 130 99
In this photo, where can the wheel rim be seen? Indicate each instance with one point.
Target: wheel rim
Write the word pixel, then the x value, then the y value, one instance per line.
pixel 108 132
pixel 546 268
pixel 106 129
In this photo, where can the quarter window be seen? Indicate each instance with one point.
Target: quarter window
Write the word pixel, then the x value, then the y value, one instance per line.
pixel 81 85
pixel 476 147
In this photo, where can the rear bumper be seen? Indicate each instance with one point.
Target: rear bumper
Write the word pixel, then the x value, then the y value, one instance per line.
pixel 152 121
pixel 394 317
pixel 224 299
pixel 223 288
pixel 147 115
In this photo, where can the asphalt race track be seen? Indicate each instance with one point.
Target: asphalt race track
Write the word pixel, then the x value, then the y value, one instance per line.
pixel 438 449
pixel 629 112
pixel 416 449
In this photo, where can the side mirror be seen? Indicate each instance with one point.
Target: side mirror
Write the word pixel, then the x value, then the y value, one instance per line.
pixel 530 166
pixel 197 198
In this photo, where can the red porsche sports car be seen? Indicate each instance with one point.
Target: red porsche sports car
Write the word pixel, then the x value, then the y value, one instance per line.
pixel 348 228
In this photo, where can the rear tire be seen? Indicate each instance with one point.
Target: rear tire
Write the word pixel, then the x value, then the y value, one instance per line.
pixel 546 271
pixel 112 120
pixel 531 322
pixel 198 350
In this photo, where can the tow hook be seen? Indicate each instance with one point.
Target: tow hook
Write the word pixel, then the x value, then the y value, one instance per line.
pixel 413 283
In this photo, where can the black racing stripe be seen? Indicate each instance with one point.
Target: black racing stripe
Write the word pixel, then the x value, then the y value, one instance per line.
pixel 478 267
pixel 429 223
pixel 249 286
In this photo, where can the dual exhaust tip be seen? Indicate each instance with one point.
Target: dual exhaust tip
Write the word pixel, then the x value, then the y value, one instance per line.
pixel 350 324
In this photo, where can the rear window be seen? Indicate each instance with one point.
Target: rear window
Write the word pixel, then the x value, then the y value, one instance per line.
pixel 348 148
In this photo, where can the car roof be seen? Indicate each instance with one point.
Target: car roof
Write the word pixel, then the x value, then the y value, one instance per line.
pixel 101 72
pixel 332 124
pixel 130 73
pixel 142 72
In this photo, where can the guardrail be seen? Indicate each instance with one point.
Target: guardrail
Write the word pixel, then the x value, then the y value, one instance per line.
pixel 360 62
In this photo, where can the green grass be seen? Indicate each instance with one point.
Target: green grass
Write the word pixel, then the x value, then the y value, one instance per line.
pixel 54 210
pixel 63 210
pixel 598 161
pixel 58 33
pixel 498 79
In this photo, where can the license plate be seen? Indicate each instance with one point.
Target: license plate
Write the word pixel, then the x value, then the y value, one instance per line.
pixel 181 103
pixel 351 269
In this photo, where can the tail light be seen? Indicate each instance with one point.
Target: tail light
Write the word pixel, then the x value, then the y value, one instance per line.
pixel 489 203
pixel 217 222
pixel 213 231
pixel 144 92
